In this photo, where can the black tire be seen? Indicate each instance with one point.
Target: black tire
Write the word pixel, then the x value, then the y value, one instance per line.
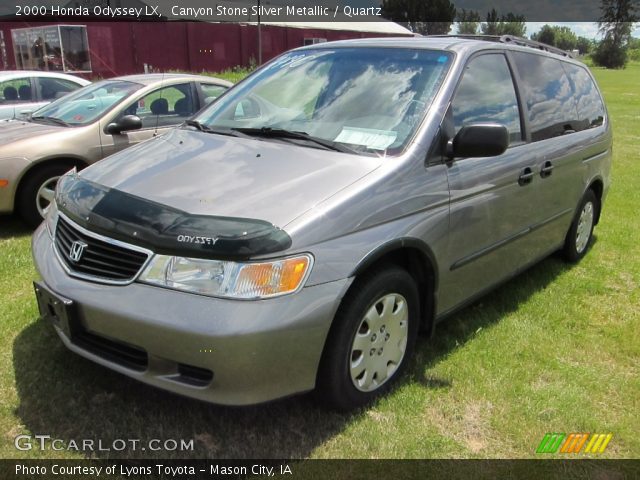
pixel 335 386
pixel 27 195
pixel 579 236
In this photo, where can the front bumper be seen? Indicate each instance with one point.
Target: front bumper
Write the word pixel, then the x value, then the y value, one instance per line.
pixel 257 350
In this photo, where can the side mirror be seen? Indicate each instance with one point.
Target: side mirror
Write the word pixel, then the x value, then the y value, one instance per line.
pixel 126 123
pixel 479 140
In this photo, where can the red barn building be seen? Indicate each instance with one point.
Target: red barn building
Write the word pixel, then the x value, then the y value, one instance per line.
pixel 106 49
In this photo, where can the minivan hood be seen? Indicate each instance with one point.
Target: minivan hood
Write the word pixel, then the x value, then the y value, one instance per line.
pixel 15 130
pixel 208 174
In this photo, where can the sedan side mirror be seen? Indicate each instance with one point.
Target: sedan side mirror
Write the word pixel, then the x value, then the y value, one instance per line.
pixel 479 140
pixel 126 123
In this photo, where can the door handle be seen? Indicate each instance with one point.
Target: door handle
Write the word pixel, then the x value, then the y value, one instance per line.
pixel 525 177
pixel 546 170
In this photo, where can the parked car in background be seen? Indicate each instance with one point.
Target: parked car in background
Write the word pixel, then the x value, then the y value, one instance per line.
pixel 307 225
pixel 23 91
pixel 88 125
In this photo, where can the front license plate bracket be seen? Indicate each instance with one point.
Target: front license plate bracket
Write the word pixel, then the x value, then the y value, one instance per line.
pixel 58 310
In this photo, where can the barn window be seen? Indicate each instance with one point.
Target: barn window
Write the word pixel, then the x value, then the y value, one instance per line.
pixel 63 48
pixel 313 41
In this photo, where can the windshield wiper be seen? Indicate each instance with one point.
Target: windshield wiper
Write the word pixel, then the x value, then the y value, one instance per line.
pixel 269 132
pixel 196 124
pixel 203 128
pixel 57 121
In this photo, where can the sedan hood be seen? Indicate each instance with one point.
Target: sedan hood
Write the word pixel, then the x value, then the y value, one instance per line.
pixel 15 130
pixel 207 174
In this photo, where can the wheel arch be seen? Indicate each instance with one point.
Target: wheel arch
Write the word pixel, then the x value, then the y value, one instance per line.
pixel 73 161
pixel 418 259
pixel 597 186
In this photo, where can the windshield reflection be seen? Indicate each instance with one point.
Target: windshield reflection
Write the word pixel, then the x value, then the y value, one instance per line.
pixel 370 99
pixel 88 104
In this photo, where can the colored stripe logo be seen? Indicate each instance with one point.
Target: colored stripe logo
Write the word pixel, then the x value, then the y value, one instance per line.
pixel 574 442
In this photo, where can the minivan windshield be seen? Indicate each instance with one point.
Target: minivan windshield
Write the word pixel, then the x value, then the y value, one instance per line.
pixel 87 104
pixel 363 100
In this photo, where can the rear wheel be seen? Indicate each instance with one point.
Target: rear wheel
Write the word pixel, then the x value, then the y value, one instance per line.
pixel 371 340
pixel 580 233
pixel 36 193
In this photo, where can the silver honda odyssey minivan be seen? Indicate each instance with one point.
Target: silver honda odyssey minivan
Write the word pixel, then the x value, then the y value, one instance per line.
pixel 298 233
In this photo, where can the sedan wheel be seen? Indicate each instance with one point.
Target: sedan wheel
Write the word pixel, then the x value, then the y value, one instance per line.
pixel 45 195
pixel 37 190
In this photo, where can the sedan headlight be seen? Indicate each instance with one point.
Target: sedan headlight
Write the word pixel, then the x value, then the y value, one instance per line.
pixel 239 280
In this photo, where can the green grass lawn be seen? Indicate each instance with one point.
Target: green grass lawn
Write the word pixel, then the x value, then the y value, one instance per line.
pixel 555 350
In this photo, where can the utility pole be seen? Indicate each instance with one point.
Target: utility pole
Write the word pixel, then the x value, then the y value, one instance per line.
pixel 259 38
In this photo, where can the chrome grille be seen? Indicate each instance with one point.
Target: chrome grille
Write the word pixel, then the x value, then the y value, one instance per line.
pixel 99 258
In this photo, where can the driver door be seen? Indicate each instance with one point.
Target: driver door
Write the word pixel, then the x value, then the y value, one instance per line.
pixel 159 110
pixel 492 198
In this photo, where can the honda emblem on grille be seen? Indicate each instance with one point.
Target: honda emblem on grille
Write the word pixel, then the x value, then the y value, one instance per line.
pixel 77 249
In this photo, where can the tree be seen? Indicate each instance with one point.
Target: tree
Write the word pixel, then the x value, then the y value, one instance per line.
pixel 615 25
pixel 557 36
pixel 508 24
pixel 584 45
pixel 511 24
pixel 491 26
pixel 468 22
pixel 428 17
pixel 565 38
pixel 547 35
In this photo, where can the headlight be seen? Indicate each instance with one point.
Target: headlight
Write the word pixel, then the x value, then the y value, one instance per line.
pixel 240 280
pixel 52 218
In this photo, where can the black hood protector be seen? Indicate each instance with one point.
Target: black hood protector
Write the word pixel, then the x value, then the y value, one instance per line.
pixel 164 229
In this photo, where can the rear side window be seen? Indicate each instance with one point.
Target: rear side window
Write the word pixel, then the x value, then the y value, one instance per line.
pixel 52 88
pixel 548 94
pixel 14 91
pixel 486 94
pixel 590 107
pixel 211 92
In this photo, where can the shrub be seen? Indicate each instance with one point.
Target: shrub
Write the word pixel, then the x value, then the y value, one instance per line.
pixel 610 54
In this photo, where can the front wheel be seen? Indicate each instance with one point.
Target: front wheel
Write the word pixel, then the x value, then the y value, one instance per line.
pixel 36 194
pixel 581 231
pixel 371 340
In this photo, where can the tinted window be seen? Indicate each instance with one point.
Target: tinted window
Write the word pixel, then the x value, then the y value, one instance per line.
pixel 486 94
pixel 548 95
pixel 590 107
pixel 165 106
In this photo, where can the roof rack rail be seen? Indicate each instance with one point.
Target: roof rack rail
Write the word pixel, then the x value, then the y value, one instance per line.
pixel 533 44
pixel 512 39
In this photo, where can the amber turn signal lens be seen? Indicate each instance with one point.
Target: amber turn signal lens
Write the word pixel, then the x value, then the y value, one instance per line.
pixel 273 278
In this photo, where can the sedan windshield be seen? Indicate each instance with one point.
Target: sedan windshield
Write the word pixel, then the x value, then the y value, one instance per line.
pixel 86 105
pixel 363 100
